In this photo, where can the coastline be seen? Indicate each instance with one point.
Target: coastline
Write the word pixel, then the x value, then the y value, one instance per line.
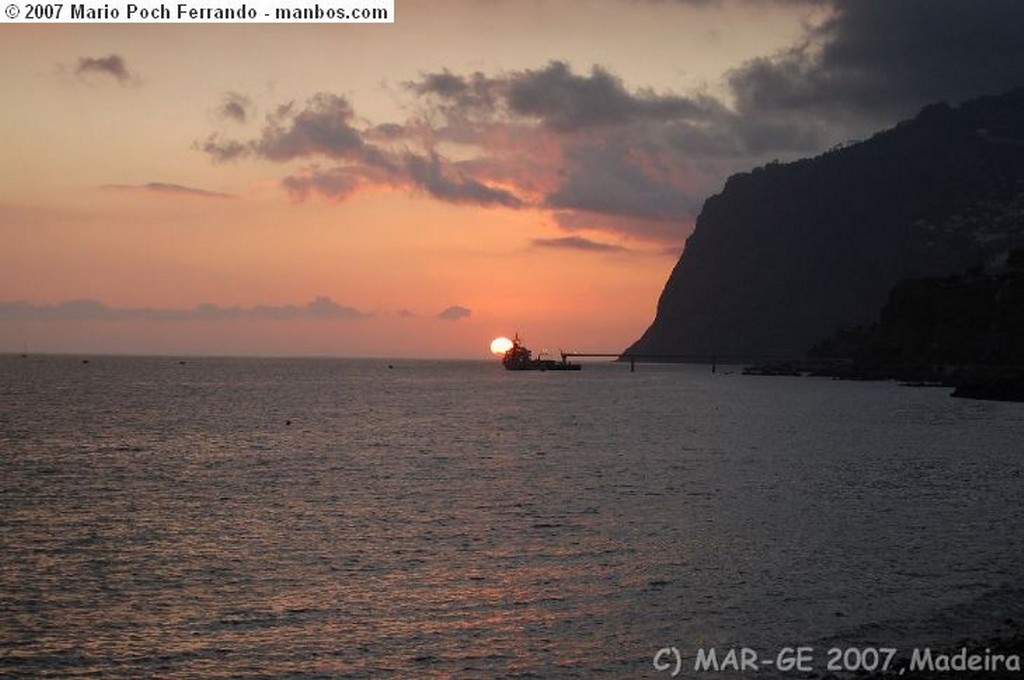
pixel 994 383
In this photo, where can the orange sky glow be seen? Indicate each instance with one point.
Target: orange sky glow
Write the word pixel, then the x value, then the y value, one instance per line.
pixel 405 190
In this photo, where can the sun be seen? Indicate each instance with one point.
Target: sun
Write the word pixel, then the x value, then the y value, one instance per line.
pixel 500 345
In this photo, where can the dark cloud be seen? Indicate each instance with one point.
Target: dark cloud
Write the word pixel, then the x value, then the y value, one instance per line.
pixel 867 65
pixel 577 243
pixel 235 107
pixel 880 60
pixel 323 127
pixel 560 99
pixel 565 101
pixel 444 84
pixel 112 65
pixel 475 93
pixel 165 188
pixel 454 313
pixel 93 310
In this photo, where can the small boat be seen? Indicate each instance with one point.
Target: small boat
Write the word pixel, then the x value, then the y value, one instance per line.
pixel 519 358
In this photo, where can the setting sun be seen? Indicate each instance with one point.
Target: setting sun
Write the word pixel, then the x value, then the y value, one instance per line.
pixel 500 345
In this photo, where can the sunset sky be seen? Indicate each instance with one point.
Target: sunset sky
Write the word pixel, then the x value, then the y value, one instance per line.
pixel 477 168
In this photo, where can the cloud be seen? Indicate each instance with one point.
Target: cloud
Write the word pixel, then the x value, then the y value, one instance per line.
pixel 595 152
pixel 516 127
pixel 662 231
pixel 475 92
pixel 559 98
pixel 628 156
pixel 167 189
pixel 323 307
pixel 878 60
pixel 112 65
pixel 93 310
pixel 323 127
pixel 565 101
pixel 235 107
pixel 577 243
pixel 430 174
pixel 223 151
pixel 320 307
pixel 619 177
pixel 337 183
pixel 454 313
pixel 386 131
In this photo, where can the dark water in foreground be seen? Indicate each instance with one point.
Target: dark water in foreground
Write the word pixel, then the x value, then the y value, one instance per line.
pixel 451 519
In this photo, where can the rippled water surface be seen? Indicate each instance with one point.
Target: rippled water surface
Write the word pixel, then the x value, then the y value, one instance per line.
pixel 339 518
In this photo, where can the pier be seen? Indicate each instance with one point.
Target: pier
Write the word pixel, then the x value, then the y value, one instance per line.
pixel 671 358
pixel 712 359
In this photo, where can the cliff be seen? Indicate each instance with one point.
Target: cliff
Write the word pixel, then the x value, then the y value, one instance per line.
pixel 788 253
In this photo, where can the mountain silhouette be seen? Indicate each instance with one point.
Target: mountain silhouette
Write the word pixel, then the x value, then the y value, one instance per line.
pixel 788 253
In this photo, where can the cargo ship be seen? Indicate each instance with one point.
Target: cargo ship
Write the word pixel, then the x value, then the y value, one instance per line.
pixel 519 358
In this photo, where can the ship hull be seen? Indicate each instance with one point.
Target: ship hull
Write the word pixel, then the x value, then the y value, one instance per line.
pixel 541 365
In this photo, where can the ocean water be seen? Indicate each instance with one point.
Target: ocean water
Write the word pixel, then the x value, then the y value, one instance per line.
pixel 310 518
